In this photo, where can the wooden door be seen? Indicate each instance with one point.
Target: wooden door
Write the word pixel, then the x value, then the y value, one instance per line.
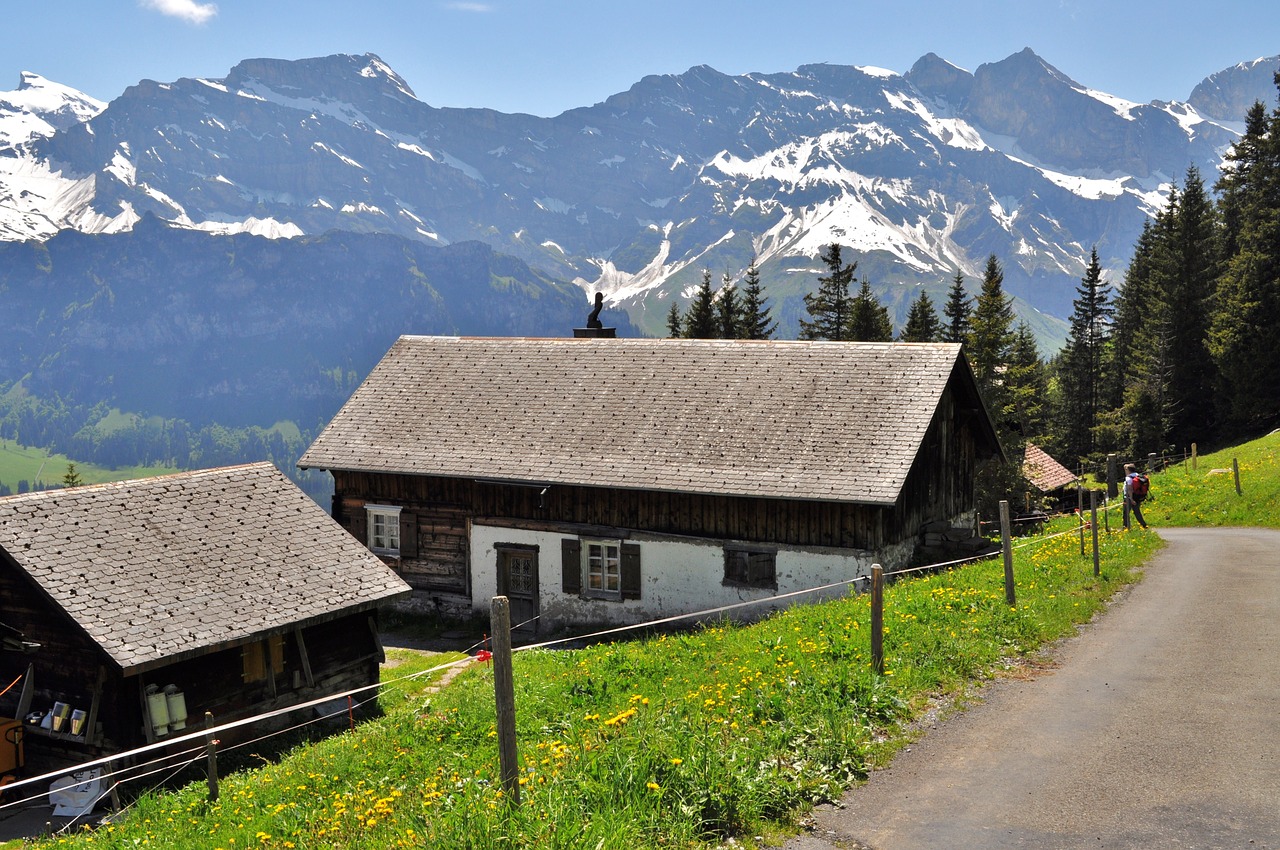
pixel 518 581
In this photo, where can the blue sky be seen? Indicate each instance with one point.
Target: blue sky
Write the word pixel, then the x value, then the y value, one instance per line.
pixel 546 56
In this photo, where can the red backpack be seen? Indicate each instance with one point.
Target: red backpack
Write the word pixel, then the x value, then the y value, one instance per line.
pixel 1139 486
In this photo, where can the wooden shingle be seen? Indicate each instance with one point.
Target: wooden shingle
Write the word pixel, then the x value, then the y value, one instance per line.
pixel 793 420
pixel 160 569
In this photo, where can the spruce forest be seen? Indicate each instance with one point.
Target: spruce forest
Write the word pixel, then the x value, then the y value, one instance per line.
pixel 1186 351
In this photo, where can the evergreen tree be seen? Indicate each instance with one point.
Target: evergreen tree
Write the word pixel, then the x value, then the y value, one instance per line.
pixel 72 477
pixel 829 307
pixel 675 324
pixel 1026 385
pixel 1080 365
pixel 1189 280
pixel 1244 334
pixel 729 310
pixel 923 324
pixel 959 312
pixel 756 321
pixel 869 319
pixel 991 337
pixel 700 321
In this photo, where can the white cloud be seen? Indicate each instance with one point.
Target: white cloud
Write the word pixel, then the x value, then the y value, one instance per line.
pixel 467 6
pixel 188 10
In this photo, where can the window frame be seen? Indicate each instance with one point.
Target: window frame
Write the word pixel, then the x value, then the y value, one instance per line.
pixel 390 516
pixel 603 592
pixel 752 574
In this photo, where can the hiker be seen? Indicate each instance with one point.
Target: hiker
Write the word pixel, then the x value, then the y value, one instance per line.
pixel 1135 490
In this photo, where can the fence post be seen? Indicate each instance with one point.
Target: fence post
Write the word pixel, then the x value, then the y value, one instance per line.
pixel 1093 506
pixel 1006 540
pixel 505 696
pixel 1235 470
pixel 1193 456
pixel 1106 515
pixel 211 757
pixel 1080 514
pixel 1111 476
pixel 877 619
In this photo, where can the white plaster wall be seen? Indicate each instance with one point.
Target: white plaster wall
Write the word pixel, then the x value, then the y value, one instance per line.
pixel 678 576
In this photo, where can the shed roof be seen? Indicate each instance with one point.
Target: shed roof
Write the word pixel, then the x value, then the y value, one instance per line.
pixel 159 569
pixel 1043 471
pixel 791 420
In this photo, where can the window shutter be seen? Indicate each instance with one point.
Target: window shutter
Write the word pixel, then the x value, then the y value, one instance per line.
pixel 571 566
pixel 408 534
pixel 630 570
pixel 358 523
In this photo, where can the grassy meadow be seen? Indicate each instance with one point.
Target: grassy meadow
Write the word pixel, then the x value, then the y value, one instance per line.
pixel 1206 496
pixel 25 463
pixel 681 740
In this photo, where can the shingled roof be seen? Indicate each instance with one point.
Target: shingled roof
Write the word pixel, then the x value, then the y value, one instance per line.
pixel 792 420
pixel 160 569
pixel 1043 471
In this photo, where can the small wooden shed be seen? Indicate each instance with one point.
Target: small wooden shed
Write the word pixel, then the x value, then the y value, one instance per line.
pixel 229 587
pixel 615 480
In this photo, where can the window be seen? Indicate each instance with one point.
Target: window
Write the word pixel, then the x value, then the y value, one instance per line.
pixel 751 567
pixel 384 529
pixel 600 569
pixel 603 566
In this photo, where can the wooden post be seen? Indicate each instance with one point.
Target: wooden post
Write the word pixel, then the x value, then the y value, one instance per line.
pixel 1080 513
pixel 115 786
pixel 1151 462
pixel 1112 491
pixel 1106 515
pixel 211 757
pixel 1093 506
pixel 1235 470
pixel 877 619
pixel 1194 457
pixel 504 693
pixel 1006 540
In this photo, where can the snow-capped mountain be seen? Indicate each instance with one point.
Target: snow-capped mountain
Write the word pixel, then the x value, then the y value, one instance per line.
pixel 921 174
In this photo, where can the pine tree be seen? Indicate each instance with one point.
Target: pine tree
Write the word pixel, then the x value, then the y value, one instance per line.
pixel 72 477
pixel 923 324
pixel 675 324
pixel 829 307
pixel 729 310
pixel 991 337
pixel 959 312
pixel 1026 385
pixel 700 321
pixel 1244 334
pixel 1188 295
pixel 756 321
pixel 869 319
pixel 1080 365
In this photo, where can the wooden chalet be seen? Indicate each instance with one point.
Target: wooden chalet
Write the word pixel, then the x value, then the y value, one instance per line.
pixel 603 480
pixel 224 590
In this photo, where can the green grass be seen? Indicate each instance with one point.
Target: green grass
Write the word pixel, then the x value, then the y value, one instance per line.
pixel 1206 495
pixel 675 741
pixel 23 463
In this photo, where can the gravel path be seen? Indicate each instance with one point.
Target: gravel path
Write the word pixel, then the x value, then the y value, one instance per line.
pixel 1159 728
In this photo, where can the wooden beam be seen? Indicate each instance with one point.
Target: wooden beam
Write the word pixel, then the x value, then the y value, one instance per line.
pixel 306 660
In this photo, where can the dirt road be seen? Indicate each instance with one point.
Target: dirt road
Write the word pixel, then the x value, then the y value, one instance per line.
pixel 1159 728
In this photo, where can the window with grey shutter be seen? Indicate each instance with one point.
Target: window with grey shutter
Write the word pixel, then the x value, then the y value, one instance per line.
pixel 571 566
pixel 630 570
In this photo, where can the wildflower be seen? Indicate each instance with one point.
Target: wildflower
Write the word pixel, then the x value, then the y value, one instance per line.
pixel 677 761
pixel 653 786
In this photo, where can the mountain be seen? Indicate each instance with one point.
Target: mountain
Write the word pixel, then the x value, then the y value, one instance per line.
pixel 1228 94
pixel 920 174
pixel 242 330
pixel 38 108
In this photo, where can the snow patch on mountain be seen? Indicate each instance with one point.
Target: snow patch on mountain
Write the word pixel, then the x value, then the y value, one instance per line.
pixel 38 108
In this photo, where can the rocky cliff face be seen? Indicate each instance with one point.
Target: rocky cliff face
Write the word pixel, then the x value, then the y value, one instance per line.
pixel 1228 94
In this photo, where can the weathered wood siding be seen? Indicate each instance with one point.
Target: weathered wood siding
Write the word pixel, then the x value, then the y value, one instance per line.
pixel 342 654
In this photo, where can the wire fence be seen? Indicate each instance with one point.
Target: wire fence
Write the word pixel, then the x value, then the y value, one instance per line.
pixel 203 739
